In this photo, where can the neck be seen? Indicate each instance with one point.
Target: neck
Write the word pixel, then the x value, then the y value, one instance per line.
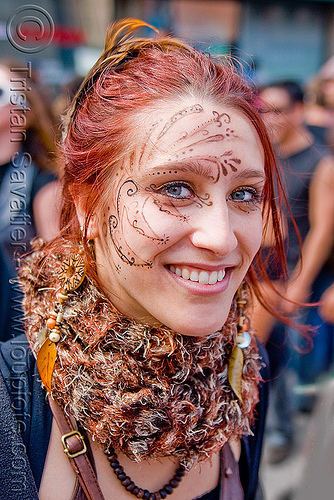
pixel 297 141
pixel 152 474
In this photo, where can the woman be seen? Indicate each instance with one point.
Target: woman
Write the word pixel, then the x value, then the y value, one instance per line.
pixel 136 312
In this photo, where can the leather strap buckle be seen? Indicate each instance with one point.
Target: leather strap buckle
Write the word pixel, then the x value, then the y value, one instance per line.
pixel 70 448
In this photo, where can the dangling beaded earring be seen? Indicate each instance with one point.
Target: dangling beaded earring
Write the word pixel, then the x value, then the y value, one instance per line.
pixel 236 361
pixel 70 275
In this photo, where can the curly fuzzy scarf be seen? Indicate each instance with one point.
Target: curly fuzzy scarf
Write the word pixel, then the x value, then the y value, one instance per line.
pixel 149 392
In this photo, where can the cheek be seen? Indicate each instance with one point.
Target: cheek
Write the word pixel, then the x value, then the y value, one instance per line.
pixel 138 230
pixel 250 234
pixel 149 224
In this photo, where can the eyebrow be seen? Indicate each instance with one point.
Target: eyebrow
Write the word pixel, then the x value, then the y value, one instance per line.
pixel 194 166
pixel 250 173
pixel 197 167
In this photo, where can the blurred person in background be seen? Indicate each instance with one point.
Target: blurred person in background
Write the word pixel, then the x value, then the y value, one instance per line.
pixel 306 172
pixel 327 305
pixel 29 189
pixel 319 100
pixel 316 479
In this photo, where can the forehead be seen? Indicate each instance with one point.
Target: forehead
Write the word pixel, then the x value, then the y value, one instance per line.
pixel 195 126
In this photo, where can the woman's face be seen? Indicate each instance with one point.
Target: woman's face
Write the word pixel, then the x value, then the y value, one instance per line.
pixel 182 221
pixel 281 115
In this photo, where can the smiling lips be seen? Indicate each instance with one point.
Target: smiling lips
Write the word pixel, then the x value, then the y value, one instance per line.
pixel 202 277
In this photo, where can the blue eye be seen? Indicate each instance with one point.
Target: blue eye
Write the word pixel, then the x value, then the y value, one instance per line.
pixel 245 195
pixel 177 190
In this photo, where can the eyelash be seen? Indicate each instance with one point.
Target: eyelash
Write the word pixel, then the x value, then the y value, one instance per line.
pixel 256 195
pixel 175 184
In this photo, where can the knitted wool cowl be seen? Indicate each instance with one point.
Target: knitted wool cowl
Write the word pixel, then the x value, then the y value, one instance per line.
pixel 149 392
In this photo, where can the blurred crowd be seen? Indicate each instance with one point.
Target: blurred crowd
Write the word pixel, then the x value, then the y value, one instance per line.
pixel 30 173
pixel 300 120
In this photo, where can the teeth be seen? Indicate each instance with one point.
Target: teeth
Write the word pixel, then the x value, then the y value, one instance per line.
pixel 202 277
pixel 185 274
pixel 213 278
pixel 221 275
pixel 194 276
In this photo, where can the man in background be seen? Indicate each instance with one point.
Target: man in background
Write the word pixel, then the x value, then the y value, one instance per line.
pixel 306 170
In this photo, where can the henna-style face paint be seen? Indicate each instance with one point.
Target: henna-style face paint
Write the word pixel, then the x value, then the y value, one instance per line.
pixel 182 221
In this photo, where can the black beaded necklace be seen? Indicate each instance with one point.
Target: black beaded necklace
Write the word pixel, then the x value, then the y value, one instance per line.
pixel 135 490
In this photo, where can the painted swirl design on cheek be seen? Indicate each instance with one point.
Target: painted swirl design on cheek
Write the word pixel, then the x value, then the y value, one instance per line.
pixel 117 233
pixel 131 190
pixel 153 236
pixel 113 224
pixel 120 225
pixel 183 218
pixel 129 258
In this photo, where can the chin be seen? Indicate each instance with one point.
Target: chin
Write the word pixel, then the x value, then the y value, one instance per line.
pixel 200 328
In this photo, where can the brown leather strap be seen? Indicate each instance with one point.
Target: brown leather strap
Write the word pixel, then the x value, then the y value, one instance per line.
pixel 230 485
pixel 76 451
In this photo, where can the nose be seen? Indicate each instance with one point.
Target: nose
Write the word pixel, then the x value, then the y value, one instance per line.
pixel 213 230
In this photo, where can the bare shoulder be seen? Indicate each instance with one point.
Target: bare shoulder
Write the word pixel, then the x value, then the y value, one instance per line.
pixel 58 479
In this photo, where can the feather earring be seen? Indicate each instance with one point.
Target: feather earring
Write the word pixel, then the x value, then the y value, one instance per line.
pixel 70 275
pixel 236 362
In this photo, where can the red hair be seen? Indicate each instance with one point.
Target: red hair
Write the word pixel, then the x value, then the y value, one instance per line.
pixel 133 75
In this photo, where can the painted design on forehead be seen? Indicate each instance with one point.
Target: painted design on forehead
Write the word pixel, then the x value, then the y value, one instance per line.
pixel 211 138
pixel 164 172
pixel 197 165
pixel 196 108
pixel 220 162
pixel 230 162
pixel 218 119
pixel 146 143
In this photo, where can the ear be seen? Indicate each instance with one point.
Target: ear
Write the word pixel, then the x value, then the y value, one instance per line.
pixel 80 202
pixel 92 231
